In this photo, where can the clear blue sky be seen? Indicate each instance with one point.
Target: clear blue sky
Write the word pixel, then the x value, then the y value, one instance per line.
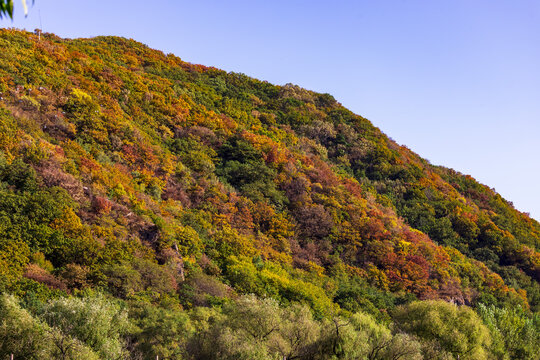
pixel 457 81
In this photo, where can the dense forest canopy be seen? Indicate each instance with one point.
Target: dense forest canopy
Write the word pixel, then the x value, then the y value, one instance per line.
pixel 215 216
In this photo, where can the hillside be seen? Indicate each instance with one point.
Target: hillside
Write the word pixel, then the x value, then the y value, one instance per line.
pixel 133 179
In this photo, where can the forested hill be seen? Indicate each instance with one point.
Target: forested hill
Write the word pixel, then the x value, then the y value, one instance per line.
pixel 183 200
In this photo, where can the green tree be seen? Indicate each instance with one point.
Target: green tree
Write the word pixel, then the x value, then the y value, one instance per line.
pixel 162 332
pixel 298 336
pixel 20 334
pixel 6 8
pixel 26 337
pixel 362 337
pixel 456 329
pixel 252 328
pixel 95 321
pixel 515 334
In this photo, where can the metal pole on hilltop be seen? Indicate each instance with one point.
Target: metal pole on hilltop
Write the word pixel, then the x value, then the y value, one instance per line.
pixel 40 26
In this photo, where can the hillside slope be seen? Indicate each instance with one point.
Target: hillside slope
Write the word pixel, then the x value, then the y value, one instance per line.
pixel 151 179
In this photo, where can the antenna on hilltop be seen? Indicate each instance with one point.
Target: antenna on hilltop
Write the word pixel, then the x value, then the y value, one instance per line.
pixel 38 31
pixel 40 25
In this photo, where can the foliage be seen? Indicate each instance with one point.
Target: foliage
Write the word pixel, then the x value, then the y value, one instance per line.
pixel 6 8
pixel 515 333
pixel 177 189
pixel 94 321
pixel 26 337
pixel 457 330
